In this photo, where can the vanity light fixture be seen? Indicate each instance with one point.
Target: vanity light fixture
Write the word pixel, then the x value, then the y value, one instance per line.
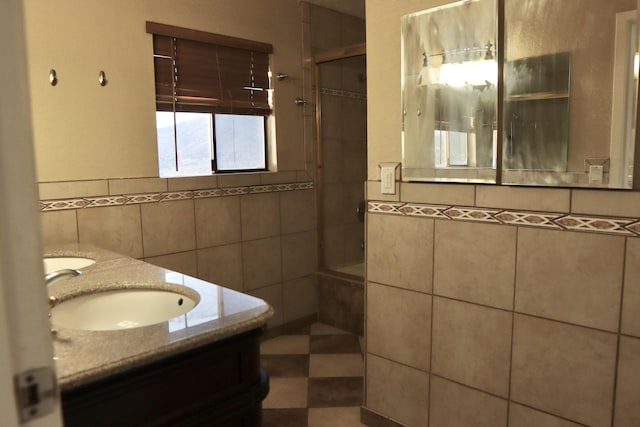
pixel 475 66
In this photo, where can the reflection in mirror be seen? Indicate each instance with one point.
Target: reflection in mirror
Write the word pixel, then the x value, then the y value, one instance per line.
pixel 570 92
pixel 449 77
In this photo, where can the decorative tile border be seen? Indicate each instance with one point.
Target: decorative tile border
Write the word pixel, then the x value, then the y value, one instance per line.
pixel 555 221
pixel 342 93
pixel 135 199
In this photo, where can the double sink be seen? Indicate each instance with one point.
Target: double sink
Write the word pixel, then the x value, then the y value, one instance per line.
pixel 114 308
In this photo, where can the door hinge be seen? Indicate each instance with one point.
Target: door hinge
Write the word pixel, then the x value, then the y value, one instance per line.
pixel 36 393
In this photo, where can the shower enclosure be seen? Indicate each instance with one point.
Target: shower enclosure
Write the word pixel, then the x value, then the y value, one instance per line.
pixel 341 125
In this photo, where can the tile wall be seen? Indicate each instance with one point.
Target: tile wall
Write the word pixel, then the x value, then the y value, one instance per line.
pixel 343 122
pixel 254 233
pixel 502 306
pixel 342 88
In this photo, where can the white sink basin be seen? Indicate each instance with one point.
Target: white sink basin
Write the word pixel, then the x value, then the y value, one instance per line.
pixel 52 264
pixel 121 309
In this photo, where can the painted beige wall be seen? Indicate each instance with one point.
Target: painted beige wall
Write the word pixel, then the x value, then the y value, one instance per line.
pixel 84 131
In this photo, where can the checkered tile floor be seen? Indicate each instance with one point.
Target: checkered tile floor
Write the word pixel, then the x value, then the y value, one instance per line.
pixel 316 378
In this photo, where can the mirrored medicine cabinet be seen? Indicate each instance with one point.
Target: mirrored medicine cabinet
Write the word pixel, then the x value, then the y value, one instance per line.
pixel 521 92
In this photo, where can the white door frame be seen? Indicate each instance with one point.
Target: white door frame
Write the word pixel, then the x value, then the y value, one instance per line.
pixel 25 337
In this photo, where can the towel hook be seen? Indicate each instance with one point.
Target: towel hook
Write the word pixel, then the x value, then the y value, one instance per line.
pixel 102 78
pixel 53 77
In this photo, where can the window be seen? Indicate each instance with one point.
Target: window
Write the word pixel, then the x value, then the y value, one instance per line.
pixel 213 101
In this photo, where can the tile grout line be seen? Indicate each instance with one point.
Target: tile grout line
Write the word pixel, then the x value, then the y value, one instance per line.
pixel 433 284
pixel 513 323
pixel 619 335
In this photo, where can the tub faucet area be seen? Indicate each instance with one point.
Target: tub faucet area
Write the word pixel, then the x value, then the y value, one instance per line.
pixel 56 275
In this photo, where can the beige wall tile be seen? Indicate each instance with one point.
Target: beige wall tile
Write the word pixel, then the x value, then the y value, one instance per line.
pixel 471 344
pixel 299 255
pixel 168 227
pixel 455 405
pixel 331 122
pixel 217 221
pixel 401 320
pixel 333 246
pixel 631 301
pixel 278 177
pixel 374 192
pixel 320 18
pixel 300 298
pixel 627 411
pixel 353 243
pixel 116 228
pixel 59 227
pixel 400 251
pixel 533 199
pixel 606 202
pixel 137 185
pixel 397 391
pixel 332 204
pixel 260 215
pixel 521 416
pixel 353 196
pixel 72 189
pixel 182 262
pixel 355 155
pixel 290 147
pixel 261 263
pixel 238 179
pixel 222 265
pixel 564 370
pixel 273 296
pixel 192 183
pixel 304 176
pixel 475 262
pixel 297 211
pixel 440 194
pixel 570 276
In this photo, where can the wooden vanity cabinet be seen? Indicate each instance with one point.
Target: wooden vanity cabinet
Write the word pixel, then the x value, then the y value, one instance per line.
pixel 216 385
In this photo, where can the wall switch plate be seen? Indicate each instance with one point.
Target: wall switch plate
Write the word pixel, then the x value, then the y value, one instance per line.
pixel 388 179
pixel 596 173
pixel 387 176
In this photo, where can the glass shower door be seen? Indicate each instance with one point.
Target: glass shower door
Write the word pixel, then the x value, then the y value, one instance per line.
pixel 342 141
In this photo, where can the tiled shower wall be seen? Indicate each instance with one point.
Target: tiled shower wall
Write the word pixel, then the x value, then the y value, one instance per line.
pixel 344 142
pixel 342 88
pixel 254 233
pixel 502 306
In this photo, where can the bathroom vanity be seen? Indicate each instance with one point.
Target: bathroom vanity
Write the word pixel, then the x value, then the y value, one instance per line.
pixel 201 368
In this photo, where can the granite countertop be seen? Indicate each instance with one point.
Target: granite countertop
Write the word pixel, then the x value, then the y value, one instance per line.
pixel 84 356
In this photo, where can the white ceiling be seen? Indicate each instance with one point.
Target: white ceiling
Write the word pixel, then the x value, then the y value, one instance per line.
pixel 350 7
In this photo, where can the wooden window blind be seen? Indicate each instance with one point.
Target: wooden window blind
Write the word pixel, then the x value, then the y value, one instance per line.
pixel 204 72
